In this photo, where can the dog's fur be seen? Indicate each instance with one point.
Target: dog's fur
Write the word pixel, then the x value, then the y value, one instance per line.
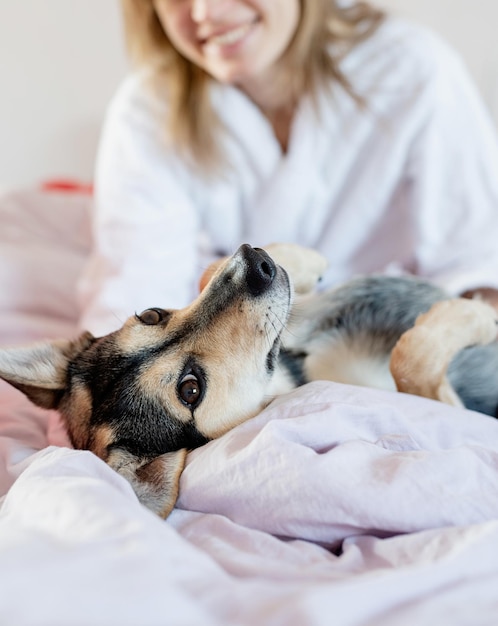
pixel 170 380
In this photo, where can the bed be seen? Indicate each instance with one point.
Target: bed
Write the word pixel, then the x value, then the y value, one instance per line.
pixel 335 505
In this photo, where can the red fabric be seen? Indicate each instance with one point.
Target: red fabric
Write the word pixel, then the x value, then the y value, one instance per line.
pixel 66 185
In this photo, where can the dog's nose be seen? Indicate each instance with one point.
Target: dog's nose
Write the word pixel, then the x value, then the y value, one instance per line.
pixel 261 269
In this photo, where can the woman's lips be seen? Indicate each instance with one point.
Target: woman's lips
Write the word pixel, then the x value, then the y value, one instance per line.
pixel 229 37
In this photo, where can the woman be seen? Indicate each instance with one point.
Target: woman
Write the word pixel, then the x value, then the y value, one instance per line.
pixel 295 121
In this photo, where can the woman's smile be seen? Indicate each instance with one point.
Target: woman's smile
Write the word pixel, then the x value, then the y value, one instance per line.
pixel 226 38
pixel 235 41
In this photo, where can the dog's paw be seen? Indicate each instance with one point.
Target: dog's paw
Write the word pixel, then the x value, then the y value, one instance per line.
pixel 304 265
pixel 471 322
pixel 421 357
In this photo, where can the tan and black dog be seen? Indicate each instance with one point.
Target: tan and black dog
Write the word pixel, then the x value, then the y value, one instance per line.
pixel 171 380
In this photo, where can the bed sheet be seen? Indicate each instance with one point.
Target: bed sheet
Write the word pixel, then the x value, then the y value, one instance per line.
pixel 336 505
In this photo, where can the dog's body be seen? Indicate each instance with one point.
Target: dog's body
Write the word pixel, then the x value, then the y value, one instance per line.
pixel 349 334
pixel 169 381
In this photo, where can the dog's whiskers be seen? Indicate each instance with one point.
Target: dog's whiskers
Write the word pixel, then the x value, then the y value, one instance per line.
pixel 276 327
pixel 118 317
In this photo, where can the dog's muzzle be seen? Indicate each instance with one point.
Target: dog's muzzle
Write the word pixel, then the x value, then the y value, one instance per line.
pixel 260 267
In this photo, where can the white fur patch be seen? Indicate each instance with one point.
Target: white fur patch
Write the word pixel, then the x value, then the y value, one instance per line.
pixel 349 363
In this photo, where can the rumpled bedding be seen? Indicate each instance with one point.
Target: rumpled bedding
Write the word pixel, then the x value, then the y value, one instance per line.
pixel 336 505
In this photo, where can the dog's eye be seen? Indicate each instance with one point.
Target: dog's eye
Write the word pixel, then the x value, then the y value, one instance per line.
pixel 189 390
pixel 152 317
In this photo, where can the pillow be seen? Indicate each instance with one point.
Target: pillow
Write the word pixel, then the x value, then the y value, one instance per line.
pixel 44 241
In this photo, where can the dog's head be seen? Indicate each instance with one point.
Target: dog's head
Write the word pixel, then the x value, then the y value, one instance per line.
pixel 168 380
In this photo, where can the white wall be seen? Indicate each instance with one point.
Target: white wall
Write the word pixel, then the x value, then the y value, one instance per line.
pixel 60 61
pixel 470 26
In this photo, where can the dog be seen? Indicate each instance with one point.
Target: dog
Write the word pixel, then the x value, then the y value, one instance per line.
pixel 169 381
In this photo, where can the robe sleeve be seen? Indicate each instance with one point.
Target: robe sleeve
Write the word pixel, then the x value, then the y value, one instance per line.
pixel 453 178
pixel 145 225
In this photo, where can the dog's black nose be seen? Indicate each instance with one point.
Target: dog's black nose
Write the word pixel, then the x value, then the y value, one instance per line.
pixel 261 269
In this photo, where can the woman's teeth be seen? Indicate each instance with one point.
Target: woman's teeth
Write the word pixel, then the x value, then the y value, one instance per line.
pixel 231 36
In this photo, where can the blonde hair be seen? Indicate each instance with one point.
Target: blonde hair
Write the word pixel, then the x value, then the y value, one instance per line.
pixel 325 33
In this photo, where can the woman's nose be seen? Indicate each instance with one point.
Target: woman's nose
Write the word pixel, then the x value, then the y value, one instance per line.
pixel 202 10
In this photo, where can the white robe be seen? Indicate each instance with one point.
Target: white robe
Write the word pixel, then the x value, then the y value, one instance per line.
pixel 410 184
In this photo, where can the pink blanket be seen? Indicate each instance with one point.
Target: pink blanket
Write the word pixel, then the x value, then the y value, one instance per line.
pixel 336 505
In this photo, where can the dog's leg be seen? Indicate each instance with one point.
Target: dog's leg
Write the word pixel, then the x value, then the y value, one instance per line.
pixel 156 481
pixel 420 359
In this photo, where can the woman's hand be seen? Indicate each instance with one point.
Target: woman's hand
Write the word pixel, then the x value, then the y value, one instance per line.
pixel 210 271
pixel 487 294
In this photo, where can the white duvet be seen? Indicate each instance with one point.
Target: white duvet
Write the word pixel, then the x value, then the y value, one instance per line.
pixel 336 505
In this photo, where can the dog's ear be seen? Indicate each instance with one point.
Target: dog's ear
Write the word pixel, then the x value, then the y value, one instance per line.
pixel 40 370
pixel 155 481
